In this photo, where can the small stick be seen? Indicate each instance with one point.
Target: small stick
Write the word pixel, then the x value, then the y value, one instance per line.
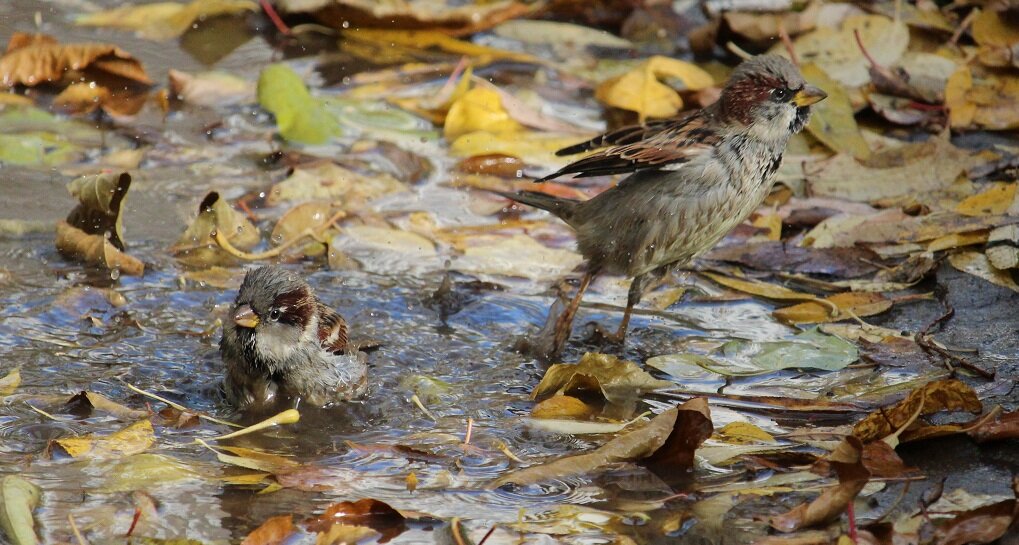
pixel 417 401
pixel 77 534
pixel 274 17
pixel 470 428
pixel 788 43
pixel 963 26
pixel 288 416
pixel 178 406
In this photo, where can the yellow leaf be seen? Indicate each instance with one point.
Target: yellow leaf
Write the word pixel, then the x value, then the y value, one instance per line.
pixel 850 303
pixel 833 121
pixel 992 202
pixel 640 90
pixel 958 240
pixel 412 481
pixel 561 406
pixel 131 440
pixel 532 147
pixel 761 289
pixel 164 20
pixel 771 222
pixel 479 109
pixel 425 39
pixel 990 102
pixel 742 433
pixel 10 382
pixel 977 264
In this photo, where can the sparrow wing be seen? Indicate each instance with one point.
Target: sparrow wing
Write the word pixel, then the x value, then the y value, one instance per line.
pixel 653 145
pixel 332 330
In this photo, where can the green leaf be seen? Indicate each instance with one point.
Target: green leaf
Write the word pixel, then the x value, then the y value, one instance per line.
pixel 18 498
pixel 808 350
pixel 301 117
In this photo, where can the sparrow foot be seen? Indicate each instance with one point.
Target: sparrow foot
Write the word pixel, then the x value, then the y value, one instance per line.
pixel 597 334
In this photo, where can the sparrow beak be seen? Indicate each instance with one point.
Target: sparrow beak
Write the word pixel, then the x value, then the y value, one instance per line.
pixel 808 95
pixel 245 317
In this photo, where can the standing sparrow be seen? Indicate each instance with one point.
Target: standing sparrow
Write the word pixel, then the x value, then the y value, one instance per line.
pixel 691 180
pixel 282 345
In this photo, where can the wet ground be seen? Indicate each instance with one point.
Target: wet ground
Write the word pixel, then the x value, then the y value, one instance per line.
pixel 462 368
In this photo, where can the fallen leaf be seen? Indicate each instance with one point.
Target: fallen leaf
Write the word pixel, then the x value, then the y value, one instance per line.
pixel 807 350
pixel 937 396
pixel 853 476
pixel 34 59
pixel 368 512
pixel 300 117
pixel 676 433
pixel 520 256
pixel 324 180
pixel 833 120
pixel 993 201
pixel 640 90
pixel 273 531
pixel 446 18
pixel 928 166
pixel 95 250
pixel 145 471
pixel 743 433
pixel 164 20
pixel 531 147
pixel 315 217
pixel 784 257
pixel 760 289
pixel 850 305
pixel 479 109
pixel 103 403
pixel 419 40
pixel 617 380
pixel 997 38
pixel 1002 426
pixel 574 36
pixel 835 51
pixel 10 382
pixel 989 102
pixel 133 439
pixel 18 498
pixel 562 406
pixel 211 89
pixel 345 534
pixel 978 265
pixel 197 246
pixel 981 525
pixel 763 26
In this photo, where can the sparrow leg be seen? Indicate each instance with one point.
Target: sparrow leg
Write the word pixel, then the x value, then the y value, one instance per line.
pixel 549 342
pixel 640 284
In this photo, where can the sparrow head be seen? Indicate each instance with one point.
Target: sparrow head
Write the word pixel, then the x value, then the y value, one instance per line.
pixel 768 94
pixel 273 315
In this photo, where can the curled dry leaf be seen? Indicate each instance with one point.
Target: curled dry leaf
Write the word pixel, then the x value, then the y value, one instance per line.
pixel 617 380
pixel 940 395
pixel 479 109
pixel 18 498
pixel 92 233
pixel 640 90
pixel 666 445
pixel 197 247
pixel 34 59
pixel 310 217
pixel 366 512
pixel 847 461
pixel 449 17
pixel 164 20
pixel 851 304
pixel 1002 426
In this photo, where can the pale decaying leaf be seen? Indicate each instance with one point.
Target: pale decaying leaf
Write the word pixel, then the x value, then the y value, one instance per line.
pixel 978 265
pixel 164 20
pixel 211 89
pixel 835 51
pixel 35 59
pixel 832 120
pixel 519 256
pixel 383 250
pixel 197 246
pixel 929 166
pixel 454 17
pixel 18 498
pixel 328 180
pixel 310 217
pixel 617 380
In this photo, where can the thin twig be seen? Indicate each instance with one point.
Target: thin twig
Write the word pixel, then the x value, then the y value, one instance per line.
pixel 926 341
pixel 788 43
pixel 966 22
pixel 277 21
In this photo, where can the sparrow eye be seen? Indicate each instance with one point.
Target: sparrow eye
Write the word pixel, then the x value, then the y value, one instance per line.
pixel 274 314
pixel 781 95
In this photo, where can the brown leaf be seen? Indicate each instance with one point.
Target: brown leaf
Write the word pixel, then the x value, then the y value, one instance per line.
pixel 849 304
pixel 1003 426
pixel 31 60
pixel 272 532
pixel 779 256
pixel 848 463
pixel 615 379
pixel 95 250
pixel 981 525
pixel 562 406
pixel 636 446
pixel 936 396
pixel 364 512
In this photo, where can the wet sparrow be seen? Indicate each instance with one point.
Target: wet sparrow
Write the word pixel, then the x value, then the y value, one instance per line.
pixel 281 345
pixel 691 180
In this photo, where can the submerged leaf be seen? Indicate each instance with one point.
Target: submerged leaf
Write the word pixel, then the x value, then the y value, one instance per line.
pixel 95 250
pixel 197 246
pixel 10 381
pixel 164 20
pixel 35 59
pixel 273 531
pixel 133 439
